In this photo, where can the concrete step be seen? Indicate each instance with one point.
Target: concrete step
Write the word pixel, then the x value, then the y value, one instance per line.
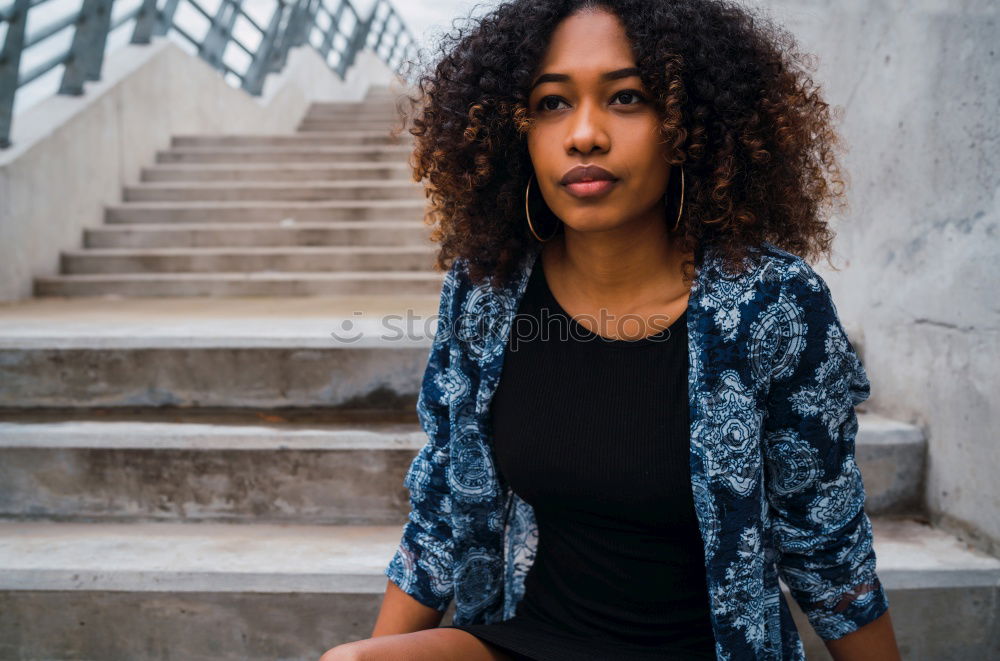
pixel 388 108
pixel 215 235
pixel 261 283
pixel 265 211
pixel 943 594
pixel 139 592
pixel 252 259
pixel 351 118
pixel 322 126
pixel 892 456
pixel 285 172
pixel 333 138
pixel 225 591
pixel 314 190
pixel 83 468
pixel 346 353
pixel 383 105
pixel 372 153
pixel 88 469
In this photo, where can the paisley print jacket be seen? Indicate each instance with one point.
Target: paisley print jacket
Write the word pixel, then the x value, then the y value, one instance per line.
pixel 773 381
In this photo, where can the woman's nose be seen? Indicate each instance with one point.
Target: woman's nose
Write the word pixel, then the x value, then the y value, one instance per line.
pixel 586 131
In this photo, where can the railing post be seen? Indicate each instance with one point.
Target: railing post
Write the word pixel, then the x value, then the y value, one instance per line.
pixel 335 19
pixel 357 41
pixel 10 64
pixel 253 81
pixel 395 43
pixel 214 45
pixel 309 22
pixel 165 18
pixel 293 33
pixel 87 52
pixel 145 21
pixel 382 27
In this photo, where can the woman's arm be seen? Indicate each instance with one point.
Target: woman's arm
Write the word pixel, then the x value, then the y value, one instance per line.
pixel 814 487
pixel 420 572
pixel 401 613
pixel 875 641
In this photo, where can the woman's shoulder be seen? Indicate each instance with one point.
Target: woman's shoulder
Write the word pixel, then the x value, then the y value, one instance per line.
pixel 766 271
pixel 776 293
pixel 466 292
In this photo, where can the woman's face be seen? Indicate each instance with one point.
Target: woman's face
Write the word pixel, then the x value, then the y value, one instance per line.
pixel 590 108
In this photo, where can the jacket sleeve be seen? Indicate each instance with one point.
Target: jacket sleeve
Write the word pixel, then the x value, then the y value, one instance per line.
pixel 422 563
pixel 822 533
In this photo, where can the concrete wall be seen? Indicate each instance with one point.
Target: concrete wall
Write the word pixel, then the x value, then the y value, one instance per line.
pixel 71 155
pixel 919 83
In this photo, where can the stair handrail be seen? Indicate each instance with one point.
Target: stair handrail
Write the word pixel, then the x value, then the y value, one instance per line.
pixel 291 24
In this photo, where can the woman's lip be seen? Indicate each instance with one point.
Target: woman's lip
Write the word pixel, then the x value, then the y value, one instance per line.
pixel 590 188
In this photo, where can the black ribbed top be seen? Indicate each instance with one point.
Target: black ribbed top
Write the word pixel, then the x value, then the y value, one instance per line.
pixel 594 434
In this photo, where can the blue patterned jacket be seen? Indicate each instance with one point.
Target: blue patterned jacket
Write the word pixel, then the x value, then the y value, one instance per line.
pixel 773 381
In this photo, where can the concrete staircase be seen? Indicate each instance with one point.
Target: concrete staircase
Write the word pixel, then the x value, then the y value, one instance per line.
pixel 329 210
pixel 213 469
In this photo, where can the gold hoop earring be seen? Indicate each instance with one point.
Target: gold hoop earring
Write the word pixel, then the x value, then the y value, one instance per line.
pixel 527 213
pixel 680 208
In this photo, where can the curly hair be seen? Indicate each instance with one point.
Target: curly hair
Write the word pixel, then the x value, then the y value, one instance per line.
pixel 735 99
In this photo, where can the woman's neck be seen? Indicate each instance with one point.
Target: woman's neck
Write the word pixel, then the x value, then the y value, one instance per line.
pixel 627 268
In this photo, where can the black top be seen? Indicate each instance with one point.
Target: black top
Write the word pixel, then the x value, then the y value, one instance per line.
pixel 594 434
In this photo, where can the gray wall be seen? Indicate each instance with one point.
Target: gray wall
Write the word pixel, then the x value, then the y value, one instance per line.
pixel 920 88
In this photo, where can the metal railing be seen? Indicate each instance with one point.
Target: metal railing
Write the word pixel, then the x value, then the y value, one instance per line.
pixel 338 35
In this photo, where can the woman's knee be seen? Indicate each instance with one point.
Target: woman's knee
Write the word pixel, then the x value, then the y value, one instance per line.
pixel 438 644
pixel 345 652
pixel 395 646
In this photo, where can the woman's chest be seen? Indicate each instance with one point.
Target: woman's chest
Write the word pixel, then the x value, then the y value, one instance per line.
pixel 596 432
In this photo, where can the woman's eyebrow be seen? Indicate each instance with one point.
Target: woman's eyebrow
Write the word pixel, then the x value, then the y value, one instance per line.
pixel 562 77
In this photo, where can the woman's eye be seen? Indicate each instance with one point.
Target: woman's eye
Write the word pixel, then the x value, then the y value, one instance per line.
pixel 549 103
pixel 629 94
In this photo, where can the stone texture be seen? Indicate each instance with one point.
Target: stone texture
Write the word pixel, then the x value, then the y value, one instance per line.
pixel 199 591
pixel 292 472
pixel 919 248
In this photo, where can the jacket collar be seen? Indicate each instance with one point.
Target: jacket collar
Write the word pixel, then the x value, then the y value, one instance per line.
pixel 504 303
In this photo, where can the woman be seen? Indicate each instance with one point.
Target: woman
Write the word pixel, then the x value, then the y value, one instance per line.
pixel 631 489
